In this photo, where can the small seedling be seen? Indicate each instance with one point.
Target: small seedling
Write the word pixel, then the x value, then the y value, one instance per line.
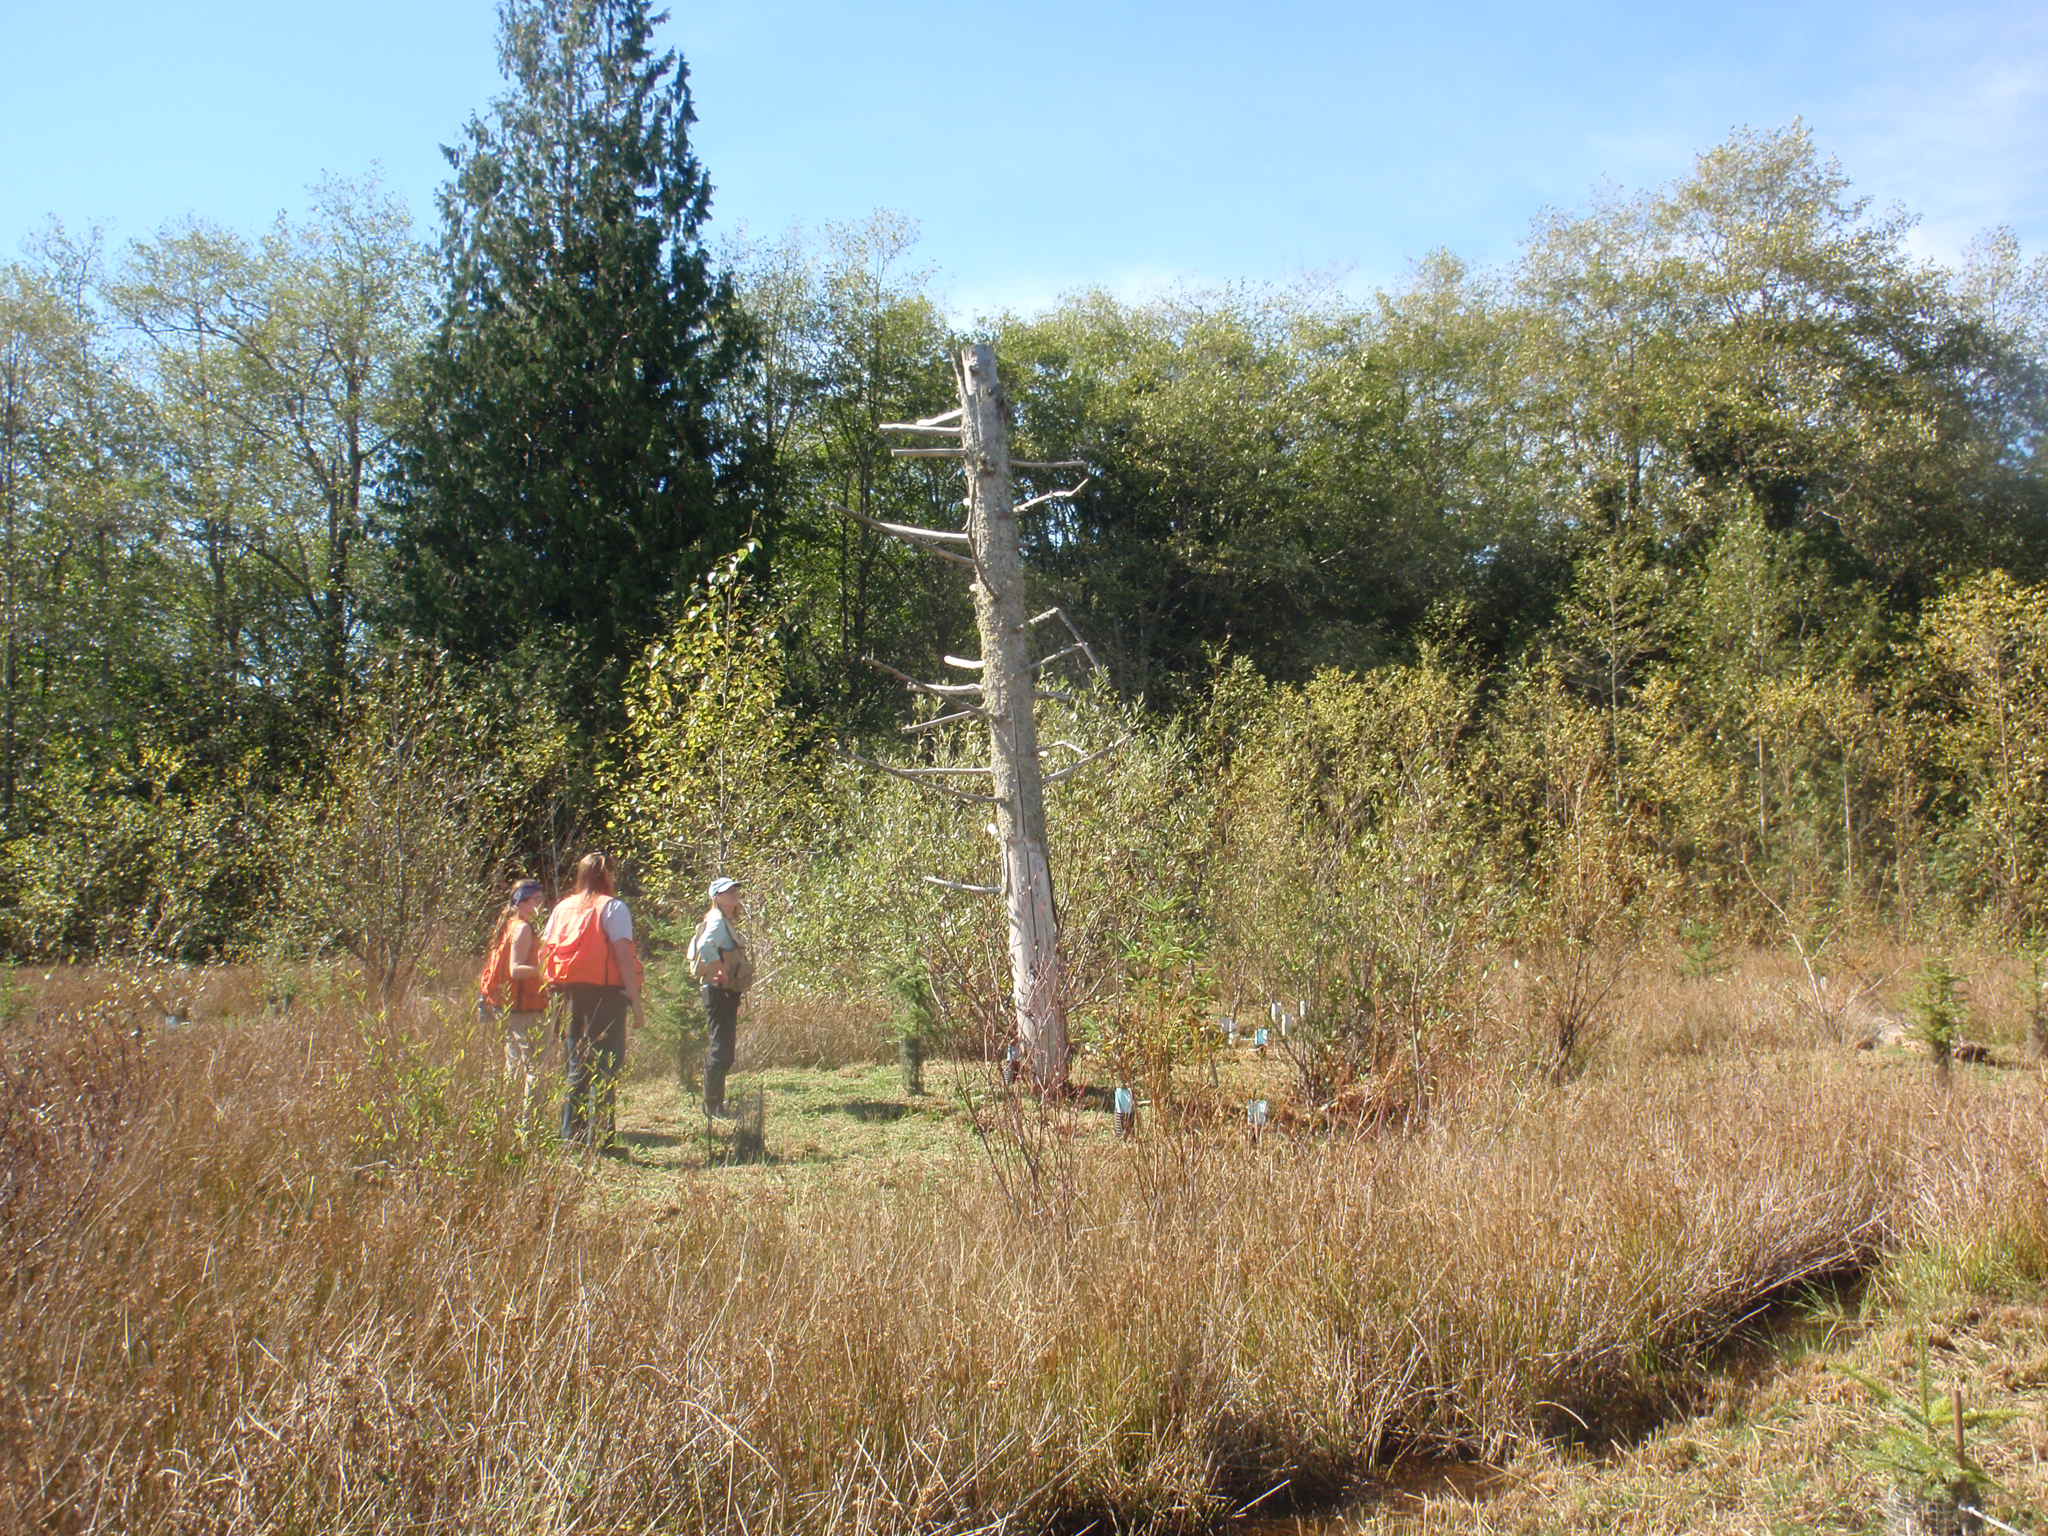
pixel 1939 1012
pixel 1700 945
pixel 1925 1449
pixel 915 1022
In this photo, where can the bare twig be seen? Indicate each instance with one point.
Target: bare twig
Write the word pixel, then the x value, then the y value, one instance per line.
pixel 904 530
pixel 1075 767
pixel 927 423
pixel 1094 665
pixel 975 713
pixel 1059 655
pixel 942 690
pixel 915 776
pixel 1067 495
pixel 962 885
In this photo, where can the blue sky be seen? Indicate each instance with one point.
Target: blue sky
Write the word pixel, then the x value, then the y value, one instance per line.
pixel 1045 147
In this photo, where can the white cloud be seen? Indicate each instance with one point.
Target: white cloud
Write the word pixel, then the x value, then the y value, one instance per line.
pixel 1955 134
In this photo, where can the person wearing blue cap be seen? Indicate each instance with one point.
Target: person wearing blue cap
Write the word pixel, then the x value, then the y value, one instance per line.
pixel 724 970
pixel 509 988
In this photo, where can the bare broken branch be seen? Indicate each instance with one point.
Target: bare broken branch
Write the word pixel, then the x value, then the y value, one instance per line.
pixel 926 453
pixel 964 663
pixel 916 777
pixel 1035 463
pixel 1067 495
pixel 1094 663
pixel 927 423
pixel 962 885
pixel 940 773
pixel 903 530
pixel 976 713
pixel 925 539
pixel 942 690
pixel 1075 767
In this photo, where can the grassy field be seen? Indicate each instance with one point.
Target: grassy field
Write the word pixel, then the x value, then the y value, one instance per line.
pixel 297 1269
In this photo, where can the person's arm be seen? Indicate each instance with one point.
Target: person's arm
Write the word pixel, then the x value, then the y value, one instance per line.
pixel 627 958
pixel 720 936
pixel 526 953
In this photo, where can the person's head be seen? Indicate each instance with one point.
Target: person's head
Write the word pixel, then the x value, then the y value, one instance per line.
pixel 524 899
pixel 596 873
pixel 726 893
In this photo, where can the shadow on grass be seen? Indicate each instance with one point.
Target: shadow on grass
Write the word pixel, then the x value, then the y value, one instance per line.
pixel 645 1141
pixel 732 1154
pixel 870 1111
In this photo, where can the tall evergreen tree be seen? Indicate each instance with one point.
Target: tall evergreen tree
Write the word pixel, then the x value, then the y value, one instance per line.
pixel 566 474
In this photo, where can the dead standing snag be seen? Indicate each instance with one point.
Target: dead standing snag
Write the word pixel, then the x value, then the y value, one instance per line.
pixel 1004 696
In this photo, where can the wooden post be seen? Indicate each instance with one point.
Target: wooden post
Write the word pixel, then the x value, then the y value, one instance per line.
pixel 1008 683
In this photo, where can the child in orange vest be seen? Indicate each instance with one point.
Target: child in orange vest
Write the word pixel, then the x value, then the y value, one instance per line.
pixel 509 988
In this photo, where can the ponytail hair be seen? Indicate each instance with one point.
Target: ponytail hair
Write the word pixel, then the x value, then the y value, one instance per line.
pixel 509 913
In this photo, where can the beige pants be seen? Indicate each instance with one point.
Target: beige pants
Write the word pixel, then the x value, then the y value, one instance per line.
pixel 526 1043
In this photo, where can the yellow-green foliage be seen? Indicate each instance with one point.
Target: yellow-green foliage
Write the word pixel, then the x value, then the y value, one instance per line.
pixel 1987 652
pixel 1349 844
pixel 393 854
pixel 711 775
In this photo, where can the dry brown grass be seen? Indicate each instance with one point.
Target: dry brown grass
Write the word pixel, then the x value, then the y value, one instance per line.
pixel 813 1032
pixel 276 1274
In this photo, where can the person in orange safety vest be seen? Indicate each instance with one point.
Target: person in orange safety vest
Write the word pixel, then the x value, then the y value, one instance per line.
pixel 509 988
pixel 589 955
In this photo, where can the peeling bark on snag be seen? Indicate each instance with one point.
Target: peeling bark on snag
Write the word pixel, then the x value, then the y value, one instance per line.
pixel 1008 690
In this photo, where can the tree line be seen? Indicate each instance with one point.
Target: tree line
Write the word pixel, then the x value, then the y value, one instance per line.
pixel 332 550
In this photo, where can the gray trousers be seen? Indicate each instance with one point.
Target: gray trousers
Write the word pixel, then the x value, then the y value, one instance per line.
pixel 722 1013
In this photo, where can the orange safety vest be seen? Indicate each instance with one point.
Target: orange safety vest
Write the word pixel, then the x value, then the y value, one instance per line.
pixel 496 984
pixel 575 948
